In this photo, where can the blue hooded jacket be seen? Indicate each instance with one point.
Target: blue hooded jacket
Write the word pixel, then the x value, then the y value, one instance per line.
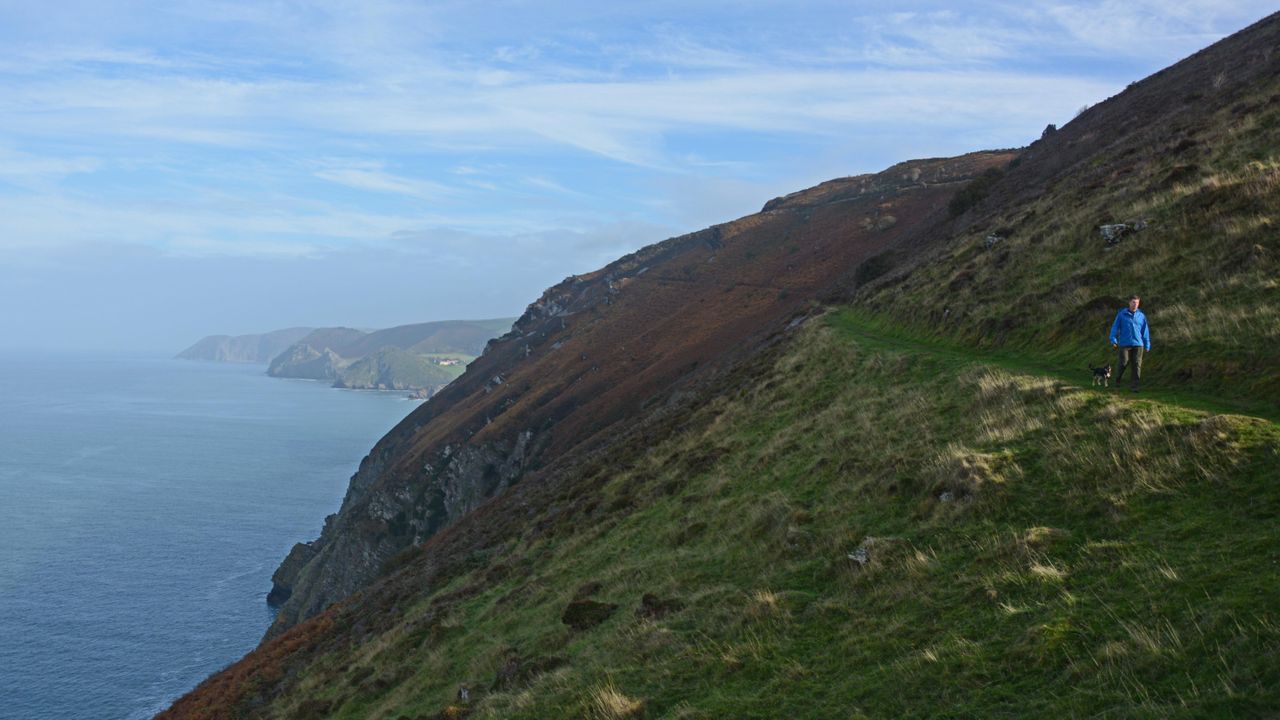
pixel 1130 329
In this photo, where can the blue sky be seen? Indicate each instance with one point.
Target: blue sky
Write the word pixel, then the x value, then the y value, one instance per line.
pixel 175 169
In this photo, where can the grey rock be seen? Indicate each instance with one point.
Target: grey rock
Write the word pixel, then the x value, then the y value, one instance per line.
pixel 286 575
pixel 1113 233
pixel 379 519
pixel 861 555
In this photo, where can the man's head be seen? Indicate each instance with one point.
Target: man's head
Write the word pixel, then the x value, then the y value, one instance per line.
pixel 1133 303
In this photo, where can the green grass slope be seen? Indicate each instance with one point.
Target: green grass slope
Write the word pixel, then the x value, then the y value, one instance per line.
pixel 859 531
pixel 1206 182
pixel 396 369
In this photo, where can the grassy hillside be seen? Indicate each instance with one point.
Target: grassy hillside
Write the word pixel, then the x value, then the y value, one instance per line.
pixel 1207 264
pixel 860 531
pixel 396 369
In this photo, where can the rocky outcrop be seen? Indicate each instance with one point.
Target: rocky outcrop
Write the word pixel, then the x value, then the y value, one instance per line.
pixel 308 363
pixel 1113 233
pixel 377 521
pixel 286 575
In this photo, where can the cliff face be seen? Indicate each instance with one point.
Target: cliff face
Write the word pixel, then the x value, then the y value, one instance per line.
pixel 595 349
pixel 306 362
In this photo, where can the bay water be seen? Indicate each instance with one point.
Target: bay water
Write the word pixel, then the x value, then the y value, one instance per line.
pixel 144 504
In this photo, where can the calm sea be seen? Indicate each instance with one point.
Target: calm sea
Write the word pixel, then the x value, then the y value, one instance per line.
pixel 144 504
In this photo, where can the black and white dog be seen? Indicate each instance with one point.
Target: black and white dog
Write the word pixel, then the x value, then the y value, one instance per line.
pixel 1101 375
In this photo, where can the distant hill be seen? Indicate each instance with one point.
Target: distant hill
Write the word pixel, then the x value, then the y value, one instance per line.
pixel 333 338
pixel 244 348
pixel 467 337
pixel 422 356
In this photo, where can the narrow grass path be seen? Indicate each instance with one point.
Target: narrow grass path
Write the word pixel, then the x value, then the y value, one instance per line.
pixel 875 333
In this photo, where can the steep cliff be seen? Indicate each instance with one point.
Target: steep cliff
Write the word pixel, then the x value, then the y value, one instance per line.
pixel 596 348
pixel 303 361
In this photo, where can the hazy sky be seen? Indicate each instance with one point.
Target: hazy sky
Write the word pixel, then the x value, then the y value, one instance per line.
pixel 175 169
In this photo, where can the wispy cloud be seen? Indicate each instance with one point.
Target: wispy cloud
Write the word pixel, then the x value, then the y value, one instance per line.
pixel 376 180
pixel 385 79
pixel 565 129
pixel 1138 27
pixel 41 172
pixel 51 221
pixel 546 183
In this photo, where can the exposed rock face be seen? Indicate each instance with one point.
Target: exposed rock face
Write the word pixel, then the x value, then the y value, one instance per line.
pixel 595 349
pixel 377 521
pixel 306 362
pixel 282 580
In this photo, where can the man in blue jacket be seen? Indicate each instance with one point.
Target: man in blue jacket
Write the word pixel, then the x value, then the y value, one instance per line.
pixel 1130 335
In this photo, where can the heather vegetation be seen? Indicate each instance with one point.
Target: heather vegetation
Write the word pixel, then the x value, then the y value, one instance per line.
pixel 974 192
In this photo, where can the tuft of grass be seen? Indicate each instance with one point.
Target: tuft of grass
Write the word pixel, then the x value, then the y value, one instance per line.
pixel 608 703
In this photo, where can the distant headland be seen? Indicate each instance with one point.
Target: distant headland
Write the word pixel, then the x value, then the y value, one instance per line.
pixel 419 358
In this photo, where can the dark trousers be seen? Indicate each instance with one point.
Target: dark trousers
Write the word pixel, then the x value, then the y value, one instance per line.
pixel 1130 356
